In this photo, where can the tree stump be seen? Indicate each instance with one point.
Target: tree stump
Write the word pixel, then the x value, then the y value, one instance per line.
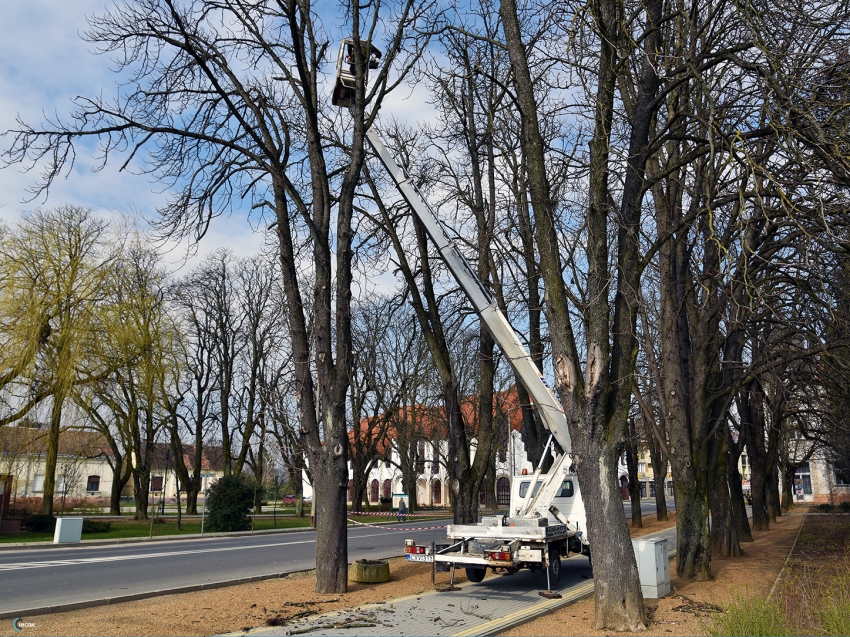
pixel 369 571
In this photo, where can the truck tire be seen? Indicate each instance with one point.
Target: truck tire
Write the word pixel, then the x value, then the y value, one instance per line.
pixel 475 574
pixel 554 566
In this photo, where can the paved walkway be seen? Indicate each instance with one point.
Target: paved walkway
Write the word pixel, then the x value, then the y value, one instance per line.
pixel 488 608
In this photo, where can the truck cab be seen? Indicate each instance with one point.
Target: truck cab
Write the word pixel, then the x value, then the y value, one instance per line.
pixel 566 508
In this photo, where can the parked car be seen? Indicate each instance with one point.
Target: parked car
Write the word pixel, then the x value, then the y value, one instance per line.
pixel 289 500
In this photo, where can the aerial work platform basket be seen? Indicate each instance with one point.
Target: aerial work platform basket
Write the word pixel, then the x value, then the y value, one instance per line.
pixel 345 84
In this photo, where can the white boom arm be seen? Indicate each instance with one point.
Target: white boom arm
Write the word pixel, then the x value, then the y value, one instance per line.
pixel 547 406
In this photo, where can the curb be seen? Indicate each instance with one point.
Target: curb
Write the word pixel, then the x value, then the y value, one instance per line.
pixel 787 559
pixel 498 626
pixel 132 597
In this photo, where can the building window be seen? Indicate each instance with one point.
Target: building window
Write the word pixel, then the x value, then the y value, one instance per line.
pixel 373 491
pixel 641 467
pixel 842 479
pixel 803 478
pixel 388 489
pixel 435 465
pixel 652 488
pixel 503 492
pixel 351 491
pixel 482 496
pixel 669 488
pixel 93 483
pixel 38 483
pixel 642 488
pixel 156 483
pixel 420 457
pixel 437 490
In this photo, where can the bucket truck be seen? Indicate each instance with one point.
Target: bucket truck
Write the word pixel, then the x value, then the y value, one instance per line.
pixel 547 519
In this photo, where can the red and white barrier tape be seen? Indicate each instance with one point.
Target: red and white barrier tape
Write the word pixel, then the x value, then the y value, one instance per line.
pixel 392 514
pixel 398 528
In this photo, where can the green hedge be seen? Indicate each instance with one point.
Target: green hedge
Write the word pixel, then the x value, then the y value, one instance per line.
pixel 229 501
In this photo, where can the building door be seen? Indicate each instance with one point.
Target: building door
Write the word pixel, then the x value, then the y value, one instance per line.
pixel 437 490
pixel 503 492
pixel 803 482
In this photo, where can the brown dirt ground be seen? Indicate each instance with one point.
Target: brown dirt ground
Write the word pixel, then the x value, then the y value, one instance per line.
pixel 681 613
pixel 252 605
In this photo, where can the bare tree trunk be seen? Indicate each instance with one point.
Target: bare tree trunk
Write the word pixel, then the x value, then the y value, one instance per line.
pixel 739 504
pixel 724 529
pixel 659 469
pixel 330 477
pixel 634 481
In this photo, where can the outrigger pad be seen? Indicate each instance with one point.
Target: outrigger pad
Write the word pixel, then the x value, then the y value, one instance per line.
pixel 550 595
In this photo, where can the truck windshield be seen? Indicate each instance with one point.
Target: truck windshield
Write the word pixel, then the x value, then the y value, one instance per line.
pixel 565 492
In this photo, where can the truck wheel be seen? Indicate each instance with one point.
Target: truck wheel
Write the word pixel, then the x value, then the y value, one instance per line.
pixel 475 574
pixel 554 566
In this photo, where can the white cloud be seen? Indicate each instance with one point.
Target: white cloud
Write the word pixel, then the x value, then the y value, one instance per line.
pixel 44 64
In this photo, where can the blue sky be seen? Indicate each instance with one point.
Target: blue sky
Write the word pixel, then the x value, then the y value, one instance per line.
pixel 43 65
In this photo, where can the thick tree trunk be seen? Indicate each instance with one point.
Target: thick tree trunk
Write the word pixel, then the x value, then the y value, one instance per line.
pixel 739 504
pixel 52 455
pixel 634 481
pixel 141 495
pixel 330 483
pixel 192 497
pixel 787 489
pixel 693 553
pixel 724 530
pixel 659 466
pixel 120 477
pixel 774 508
pixel 408 479
pixel 619 603
pixel 761 520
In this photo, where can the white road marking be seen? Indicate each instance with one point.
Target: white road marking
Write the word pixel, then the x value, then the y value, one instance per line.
pixel 17 566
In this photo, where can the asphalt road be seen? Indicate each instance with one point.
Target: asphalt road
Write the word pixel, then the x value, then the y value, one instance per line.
pixel 647 507
pixel 36 578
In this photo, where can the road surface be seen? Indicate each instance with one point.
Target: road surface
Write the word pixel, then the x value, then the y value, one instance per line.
pixel 37 578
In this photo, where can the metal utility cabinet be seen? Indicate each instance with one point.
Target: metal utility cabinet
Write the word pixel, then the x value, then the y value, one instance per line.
pixel 68 530
pixel 653 564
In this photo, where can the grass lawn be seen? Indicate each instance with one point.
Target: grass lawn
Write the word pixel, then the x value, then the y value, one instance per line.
pixel 132 528
pixel 812 596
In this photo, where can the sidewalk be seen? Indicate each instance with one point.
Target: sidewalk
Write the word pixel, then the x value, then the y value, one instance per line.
pixel 488 608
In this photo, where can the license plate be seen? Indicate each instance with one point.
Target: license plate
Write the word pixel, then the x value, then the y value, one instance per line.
pixel 418 557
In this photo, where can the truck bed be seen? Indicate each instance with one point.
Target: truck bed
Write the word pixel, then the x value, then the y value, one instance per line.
pixel 498 532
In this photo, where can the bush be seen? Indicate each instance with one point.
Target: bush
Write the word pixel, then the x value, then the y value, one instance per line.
pixel 39 523
pixel 826 508
pixel 95 526
pixel 844 507
pixel 228 503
